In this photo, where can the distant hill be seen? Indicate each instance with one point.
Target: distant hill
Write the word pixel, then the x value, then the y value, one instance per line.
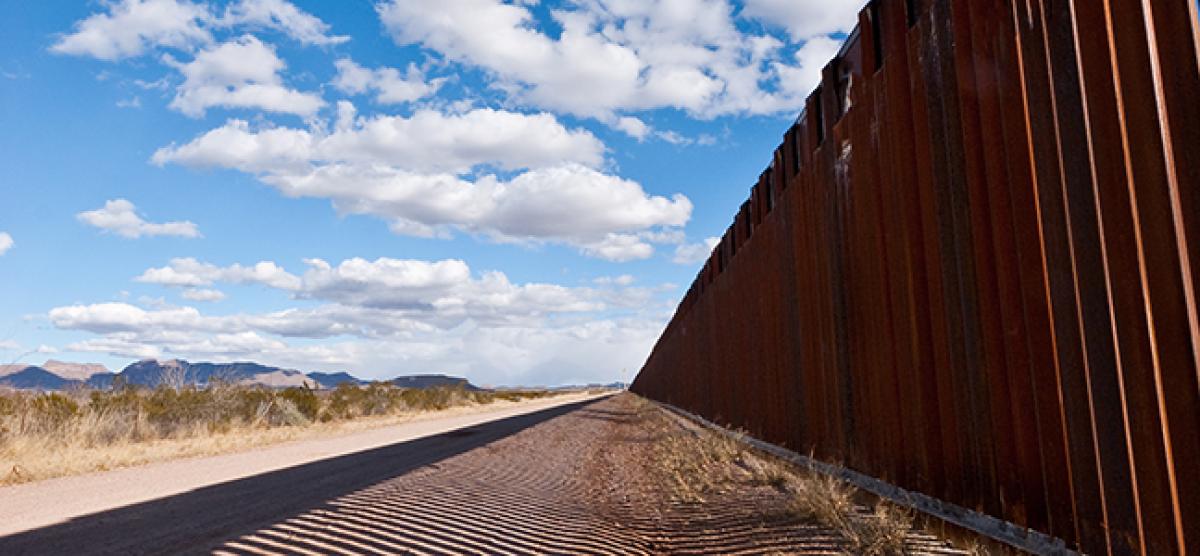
pixel 51 375
pixel 332 380
pixel 74 371
pixel 59 375
pixel 432 381
pixel 36 378
pixel 68 371
pixel 152 372
pixel 6 370
pixel 100 381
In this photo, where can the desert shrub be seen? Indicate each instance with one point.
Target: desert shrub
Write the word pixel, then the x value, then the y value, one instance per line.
pixel 379 398
pixel 344 402
pixel 433 399
pixel 54 410
pixel 123 401
pixel 304 400
pixel 284 412
pixel 348 401
pixel 245 404
pixel 512 395
pixel 9 404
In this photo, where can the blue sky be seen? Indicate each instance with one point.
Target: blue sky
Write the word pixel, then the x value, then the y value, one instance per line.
pixel 516 192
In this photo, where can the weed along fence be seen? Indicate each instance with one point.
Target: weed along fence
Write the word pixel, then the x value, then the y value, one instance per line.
pixel 971 270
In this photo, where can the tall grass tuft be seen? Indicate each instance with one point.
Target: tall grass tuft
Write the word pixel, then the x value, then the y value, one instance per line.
pixel 696 463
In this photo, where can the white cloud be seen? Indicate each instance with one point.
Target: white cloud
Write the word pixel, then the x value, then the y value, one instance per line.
pixel 805 19
pixel 117 345
pixel 568 204
pixel 281 16
pixel 427 141
pixel 6 242
pixel 802 77
pixel 123 317
pixel 633 127
pixel 129 28
pixel 388 84
pixel 202 294
pixel 693 253
pixel 611 56
pixel 397 315
pixel 132 26
pixel 407 170
pixel 441 293
pixel 192 273
pixel 120 217
pixel 619 248
pixel 241 73
pixel 622 280
pixel 570 353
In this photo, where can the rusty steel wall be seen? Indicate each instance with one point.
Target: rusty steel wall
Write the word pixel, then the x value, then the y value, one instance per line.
pixel 971 270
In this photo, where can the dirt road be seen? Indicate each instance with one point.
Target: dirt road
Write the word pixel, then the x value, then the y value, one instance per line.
pixel 568 479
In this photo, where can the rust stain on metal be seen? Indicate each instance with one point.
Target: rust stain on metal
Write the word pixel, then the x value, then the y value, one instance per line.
pixel 972 268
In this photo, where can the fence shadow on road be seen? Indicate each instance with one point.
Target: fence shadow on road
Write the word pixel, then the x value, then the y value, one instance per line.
pixel 192 521
pixel 521 496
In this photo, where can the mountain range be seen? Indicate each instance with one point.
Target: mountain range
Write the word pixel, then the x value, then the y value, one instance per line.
pixel 58 375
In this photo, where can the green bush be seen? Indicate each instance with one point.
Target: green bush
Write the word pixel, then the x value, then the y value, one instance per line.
pixel 9 405
pixel 305 400
pixel 55 409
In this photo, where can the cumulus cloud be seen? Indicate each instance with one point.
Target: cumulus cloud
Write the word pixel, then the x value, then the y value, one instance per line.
pixel 693 253
pixel 203 294
pixel 388 84
pixel 427 141
pixel 6 242
pixel 190 272
pixel 621 280
pixel 129 28
pixel 805 19
pixel 567 353
pixel 133 26
pixel 386 316
pixel 613 56
pixel 282 16
pixel 632 127
pixel 119 216
pixel 800 78
pixel 412 171
pixel 619 248
pixel 441 293
pixel 241 73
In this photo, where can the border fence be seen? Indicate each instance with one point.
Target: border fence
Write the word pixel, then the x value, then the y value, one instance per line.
pixel 972 269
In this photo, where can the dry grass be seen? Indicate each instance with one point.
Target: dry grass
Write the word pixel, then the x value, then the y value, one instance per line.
pixel 879 530
pixel 697 463
pixel 55 434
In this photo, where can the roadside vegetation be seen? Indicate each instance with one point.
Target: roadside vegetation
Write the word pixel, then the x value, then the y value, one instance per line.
pixel 697 463
pixel 51 434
